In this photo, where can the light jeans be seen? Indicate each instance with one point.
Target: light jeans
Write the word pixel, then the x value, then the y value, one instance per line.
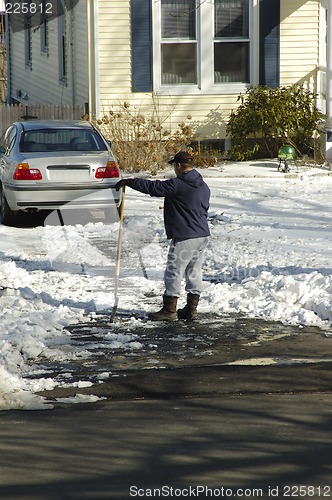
pixel 185 259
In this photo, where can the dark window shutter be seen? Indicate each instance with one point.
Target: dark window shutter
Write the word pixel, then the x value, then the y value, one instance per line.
pixel 269 52
pixel 141 45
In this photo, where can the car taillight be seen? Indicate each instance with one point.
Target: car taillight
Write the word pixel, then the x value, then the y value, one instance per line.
pixel 111 170
pixel 24 173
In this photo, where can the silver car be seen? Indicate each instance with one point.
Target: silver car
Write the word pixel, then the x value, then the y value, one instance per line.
pixel 51 165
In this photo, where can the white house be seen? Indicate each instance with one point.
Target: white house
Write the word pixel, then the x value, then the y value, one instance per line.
pixel 194 56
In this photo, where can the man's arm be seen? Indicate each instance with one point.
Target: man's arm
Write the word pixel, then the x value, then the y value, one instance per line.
pixel 153 188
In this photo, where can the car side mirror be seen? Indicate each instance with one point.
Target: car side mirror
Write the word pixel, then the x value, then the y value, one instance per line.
pixel 109 142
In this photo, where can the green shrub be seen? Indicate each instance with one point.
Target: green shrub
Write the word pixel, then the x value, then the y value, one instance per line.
pixel 268 118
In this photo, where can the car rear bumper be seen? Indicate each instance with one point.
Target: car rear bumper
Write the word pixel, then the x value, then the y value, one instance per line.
pixel 66 197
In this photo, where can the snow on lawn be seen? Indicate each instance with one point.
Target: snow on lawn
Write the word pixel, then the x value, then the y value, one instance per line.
pixel 269 256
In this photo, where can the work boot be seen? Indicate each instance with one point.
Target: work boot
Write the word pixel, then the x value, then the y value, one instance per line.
pixel 167 312
pixel 190 309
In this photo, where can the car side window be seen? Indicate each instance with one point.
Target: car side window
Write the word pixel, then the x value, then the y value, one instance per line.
pixel 7 140
pixel 4 140
pixel 2 144
pixel 11 140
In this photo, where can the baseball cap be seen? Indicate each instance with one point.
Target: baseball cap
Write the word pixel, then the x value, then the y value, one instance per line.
pixel 181 157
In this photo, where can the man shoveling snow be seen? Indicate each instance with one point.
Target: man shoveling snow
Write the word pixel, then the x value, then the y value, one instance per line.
pixel 187 199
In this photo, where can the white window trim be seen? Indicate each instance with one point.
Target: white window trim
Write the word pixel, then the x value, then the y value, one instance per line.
pixel 322 64
pixel 206 83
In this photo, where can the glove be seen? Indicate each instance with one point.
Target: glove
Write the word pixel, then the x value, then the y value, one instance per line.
pixel 124 182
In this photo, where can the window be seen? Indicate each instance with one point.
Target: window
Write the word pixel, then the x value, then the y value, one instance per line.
pixel 7 140
pixel 203 44
pixel 231 41
pixel 44 27
pixel 27 36
pixel 61 140
pixel 62 43
pixel 179 42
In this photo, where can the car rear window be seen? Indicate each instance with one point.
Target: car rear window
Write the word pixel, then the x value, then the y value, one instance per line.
pixel 52 140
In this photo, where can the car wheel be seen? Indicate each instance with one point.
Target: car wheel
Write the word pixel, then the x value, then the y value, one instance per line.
pixel 8 217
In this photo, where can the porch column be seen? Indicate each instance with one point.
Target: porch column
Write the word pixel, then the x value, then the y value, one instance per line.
pixel 329 82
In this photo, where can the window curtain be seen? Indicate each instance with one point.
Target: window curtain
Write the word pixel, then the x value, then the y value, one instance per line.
pixel 231 18
pixel 178 19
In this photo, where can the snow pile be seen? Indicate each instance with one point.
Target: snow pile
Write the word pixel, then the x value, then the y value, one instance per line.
pixel 269 256
pixel 301 299
pixel 17 395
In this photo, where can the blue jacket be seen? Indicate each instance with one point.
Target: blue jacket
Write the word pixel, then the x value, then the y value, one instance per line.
pixel 186 205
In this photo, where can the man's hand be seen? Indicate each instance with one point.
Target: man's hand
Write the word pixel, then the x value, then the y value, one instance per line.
pixel 124 182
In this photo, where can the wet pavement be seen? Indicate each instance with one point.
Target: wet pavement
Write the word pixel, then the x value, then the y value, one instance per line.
pixel 212 356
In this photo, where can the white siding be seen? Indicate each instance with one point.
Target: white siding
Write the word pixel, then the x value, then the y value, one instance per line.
pixel 114 49
pixel 299 42
pixel 41 81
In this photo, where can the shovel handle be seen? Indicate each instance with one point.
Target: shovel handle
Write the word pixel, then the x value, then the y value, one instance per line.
pixel 118 253
pixel 118 257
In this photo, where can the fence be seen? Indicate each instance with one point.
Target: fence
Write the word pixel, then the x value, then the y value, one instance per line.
pixel 3 69
pixel 20 112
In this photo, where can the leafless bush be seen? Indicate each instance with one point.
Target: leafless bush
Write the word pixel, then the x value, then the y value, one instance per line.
pixel 143 141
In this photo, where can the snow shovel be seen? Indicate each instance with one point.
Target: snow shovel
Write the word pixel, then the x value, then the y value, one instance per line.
pixel 118 258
